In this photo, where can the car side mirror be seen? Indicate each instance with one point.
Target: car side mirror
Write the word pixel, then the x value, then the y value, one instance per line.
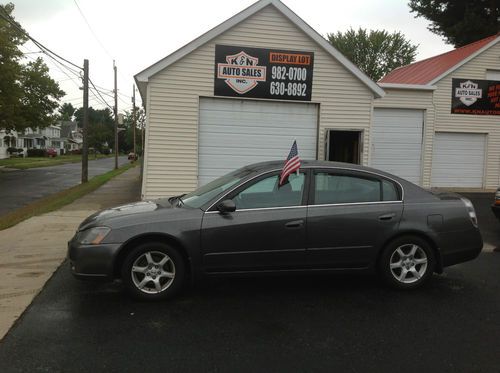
pixel 226 206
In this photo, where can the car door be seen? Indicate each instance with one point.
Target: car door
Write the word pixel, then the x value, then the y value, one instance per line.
pixel 266 232
pixel 349 217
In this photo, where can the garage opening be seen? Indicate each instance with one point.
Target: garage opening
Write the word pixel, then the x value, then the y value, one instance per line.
pixel 343 146
pixel 235 132
pixel 458 160
pixel 396 145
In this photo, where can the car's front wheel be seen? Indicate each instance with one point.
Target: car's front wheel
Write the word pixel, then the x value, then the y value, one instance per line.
pixel 407 262
pixel 153 271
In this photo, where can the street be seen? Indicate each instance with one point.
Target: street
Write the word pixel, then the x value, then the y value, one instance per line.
pixel 301 323
pixel 21 187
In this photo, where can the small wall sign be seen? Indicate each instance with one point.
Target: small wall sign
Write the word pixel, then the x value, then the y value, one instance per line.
pixel 263 73
pixel 475 97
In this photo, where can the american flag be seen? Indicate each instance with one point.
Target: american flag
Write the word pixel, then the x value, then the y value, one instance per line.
pixel 291 165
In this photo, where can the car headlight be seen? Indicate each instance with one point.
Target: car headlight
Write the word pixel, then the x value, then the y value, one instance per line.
pixel 93 236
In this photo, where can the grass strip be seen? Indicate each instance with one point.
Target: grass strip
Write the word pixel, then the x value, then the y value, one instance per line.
pixel 33 162
pixel 60 199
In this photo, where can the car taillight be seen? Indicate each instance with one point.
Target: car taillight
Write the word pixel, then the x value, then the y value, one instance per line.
pixel 497 198
pixel 470 210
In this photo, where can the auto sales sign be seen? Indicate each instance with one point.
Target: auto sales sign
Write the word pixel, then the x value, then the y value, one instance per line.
pixel 475 97
pixel 263 73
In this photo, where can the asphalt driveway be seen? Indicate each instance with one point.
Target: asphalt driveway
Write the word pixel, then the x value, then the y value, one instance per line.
pixel 278 324
pixel 21 187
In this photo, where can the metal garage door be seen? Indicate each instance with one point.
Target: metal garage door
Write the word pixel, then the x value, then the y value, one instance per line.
pixel 458 160
pixel 397 142
pixel 234 133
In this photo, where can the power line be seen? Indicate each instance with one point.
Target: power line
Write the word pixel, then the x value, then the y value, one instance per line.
pixel 49 53
pixel 99 93
pixel 52 61
pixel 44 49
pixel 91 30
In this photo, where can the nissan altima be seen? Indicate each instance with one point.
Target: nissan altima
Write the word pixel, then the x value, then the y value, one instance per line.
pixel 328 217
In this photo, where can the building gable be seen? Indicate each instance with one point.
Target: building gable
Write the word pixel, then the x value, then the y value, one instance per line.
pixel 143 77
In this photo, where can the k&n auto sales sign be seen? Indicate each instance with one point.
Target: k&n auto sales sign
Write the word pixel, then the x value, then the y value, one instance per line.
pixel 263 73
pixel 475 97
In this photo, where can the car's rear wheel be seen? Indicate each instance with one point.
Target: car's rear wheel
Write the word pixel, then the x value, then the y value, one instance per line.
pixel 153 271
pixel 407 262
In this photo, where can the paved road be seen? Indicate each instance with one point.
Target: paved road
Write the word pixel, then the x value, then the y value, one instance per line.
pixel 19 188
pixel 284 324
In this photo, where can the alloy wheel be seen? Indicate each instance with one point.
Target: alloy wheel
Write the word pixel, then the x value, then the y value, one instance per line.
pixel 408 263
pixel 153 272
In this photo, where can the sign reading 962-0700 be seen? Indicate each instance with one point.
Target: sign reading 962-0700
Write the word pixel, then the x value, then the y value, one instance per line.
pixel 263 73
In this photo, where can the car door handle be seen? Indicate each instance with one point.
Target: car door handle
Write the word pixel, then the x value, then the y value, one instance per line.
pixel 295 224
pixel 386 217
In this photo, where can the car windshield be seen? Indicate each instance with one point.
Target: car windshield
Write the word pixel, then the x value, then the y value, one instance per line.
pixel 208 191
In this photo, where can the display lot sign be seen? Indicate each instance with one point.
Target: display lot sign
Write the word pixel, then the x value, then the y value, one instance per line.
pixel 476 97
pixel 263 73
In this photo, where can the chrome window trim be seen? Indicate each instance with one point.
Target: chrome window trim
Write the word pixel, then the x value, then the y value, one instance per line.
pixel 263 208
pixel 317 168
pixel 355 203
pixel 304 206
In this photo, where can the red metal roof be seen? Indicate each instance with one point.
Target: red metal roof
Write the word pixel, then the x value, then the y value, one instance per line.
pixel 423 72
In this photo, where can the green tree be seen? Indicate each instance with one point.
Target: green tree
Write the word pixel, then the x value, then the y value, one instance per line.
pixel 66 111
pixel 10 70
pixel 101 128
pixel 41 95
pixel 459 22
pixel 28 95
pixel 375 52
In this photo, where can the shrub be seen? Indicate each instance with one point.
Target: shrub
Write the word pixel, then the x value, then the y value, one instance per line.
pixel 15 152
pixel 37 153
pixel 76 151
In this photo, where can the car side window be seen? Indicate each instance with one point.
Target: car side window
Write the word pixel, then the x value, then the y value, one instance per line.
pixel 331 188
pixel 389 191
pixel 266 193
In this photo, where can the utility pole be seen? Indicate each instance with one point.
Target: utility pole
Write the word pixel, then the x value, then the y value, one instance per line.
pixel 85 145
pixel 116 118
pixel 134 119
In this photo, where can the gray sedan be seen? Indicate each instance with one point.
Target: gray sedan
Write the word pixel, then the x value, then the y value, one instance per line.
pixel 328 217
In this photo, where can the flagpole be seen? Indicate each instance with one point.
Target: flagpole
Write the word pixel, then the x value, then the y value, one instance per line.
pixel 295 141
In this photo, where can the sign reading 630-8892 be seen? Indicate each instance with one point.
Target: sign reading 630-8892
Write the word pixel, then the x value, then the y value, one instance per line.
pixel 263 73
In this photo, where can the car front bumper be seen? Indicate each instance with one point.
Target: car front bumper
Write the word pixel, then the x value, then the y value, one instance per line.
pixel 92 262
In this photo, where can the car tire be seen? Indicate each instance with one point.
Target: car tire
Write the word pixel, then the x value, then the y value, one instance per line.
pixel 153 271
pixel 407 262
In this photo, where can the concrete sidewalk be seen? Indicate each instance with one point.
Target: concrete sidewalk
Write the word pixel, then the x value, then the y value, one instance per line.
pixel 31 251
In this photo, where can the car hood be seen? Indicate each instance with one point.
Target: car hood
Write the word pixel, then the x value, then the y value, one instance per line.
pixel 102 216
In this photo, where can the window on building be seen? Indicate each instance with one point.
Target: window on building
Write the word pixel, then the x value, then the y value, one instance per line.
pixel 493 75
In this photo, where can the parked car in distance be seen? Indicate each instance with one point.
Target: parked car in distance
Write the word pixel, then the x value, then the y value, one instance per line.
pixel 132 156
pixel 51 152
pixel 330 217
pixel 495 207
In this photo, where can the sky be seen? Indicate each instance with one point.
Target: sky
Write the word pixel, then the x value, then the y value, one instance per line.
pixel 136 34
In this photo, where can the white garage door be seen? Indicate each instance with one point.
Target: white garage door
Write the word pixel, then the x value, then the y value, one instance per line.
pixel 458 160
pixel 234 133
pixel 397 142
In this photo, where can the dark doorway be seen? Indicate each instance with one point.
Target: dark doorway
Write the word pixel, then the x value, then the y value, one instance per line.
pixel 343 146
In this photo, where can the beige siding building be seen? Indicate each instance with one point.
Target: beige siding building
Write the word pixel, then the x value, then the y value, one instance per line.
pixel 175 88
pixel 245 90
pixel 461 135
